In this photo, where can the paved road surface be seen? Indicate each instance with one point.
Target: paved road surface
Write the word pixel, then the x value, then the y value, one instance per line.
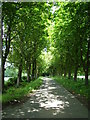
pixel 50 101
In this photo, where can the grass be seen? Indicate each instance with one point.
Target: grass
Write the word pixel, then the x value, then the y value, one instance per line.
pixel 74 87
pixel 14 93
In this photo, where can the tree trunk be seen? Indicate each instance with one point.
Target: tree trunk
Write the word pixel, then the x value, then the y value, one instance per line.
pixel 75 73
pixel 28 75
pixel 34 69
pixel 64 73
pixel 37 73
pixel 28 72
pixel 19 75
pixel 69 74
pixel 2 76
pixel 18 81
pixel 60 73
pixel 86 77
pixel 0 72
pixel 87 66
pixel 2 61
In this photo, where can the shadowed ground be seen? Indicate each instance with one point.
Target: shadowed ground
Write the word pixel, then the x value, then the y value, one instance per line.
pixel 50 101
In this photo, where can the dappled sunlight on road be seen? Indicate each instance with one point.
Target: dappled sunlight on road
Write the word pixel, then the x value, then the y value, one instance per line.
pixel 50 101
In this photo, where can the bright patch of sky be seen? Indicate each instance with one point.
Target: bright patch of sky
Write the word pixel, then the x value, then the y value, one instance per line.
pixel 45 49
pixel 54 8
pixel 7 64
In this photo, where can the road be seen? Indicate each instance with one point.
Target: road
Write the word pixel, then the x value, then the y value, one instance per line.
pixel 50 101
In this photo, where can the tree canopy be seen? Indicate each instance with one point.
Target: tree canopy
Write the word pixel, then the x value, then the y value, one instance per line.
pixel 46 37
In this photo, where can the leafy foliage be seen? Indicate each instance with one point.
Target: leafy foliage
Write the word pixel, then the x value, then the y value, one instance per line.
pixel 11 71
pixel 71 38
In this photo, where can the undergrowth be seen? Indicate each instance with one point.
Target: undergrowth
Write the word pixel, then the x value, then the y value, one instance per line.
pixel 74 87
pixel 14 93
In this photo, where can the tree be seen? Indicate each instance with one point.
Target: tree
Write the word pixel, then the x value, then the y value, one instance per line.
pixel 8 15
pixel 71 20
pixel 30 39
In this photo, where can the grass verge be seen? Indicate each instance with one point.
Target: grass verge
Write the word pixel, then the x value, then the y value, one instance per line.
pixel 77 88
pixel 14 93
